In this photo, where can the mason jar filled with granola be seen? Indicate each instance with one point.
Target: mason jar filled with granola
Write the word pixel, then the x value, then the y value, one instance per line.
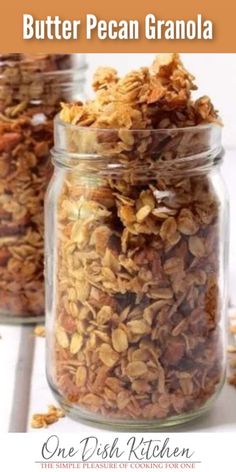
pixel 136 251
pixel 31 90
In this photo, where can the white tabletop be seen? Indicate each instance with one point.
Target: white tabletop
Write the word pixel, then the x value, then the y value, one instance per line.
pixel 24 388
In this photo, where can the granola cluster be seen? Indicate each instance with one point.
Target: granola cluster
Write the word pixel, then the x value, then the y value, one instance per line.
pixel 31 88
pixel 43 420
pixel 138 307
pixel 159 97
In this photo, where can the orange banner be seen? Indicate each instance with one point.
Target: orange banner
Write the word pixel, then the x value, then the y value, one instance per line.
pixel 121 26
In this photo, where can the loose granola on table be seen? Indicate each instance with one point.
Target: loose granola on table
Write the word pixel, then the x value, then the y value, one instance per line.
pixel 31 88
pixel 137 303
pixel 43 420
pixel 39 331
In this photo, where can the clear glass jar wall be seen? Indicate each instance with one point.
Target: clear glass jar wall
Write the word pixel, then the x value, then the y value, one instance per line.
pixel 31 89
pixel 136 248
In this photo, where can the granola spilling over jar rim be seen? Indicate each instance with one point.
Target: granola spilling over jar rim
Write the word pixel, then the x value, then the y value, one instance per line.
pixel 31 89
pixel 136 252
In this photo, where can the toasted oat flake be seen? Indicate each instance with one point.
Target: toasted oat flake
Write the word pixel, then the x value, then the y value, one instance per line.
pixel 107 355
pixel 104 315
pixel 138 327
pixel 76 343
pixel 142 214
pixel 136 369
pixel 196 246
pixel 187 224
pixel 119 340
pixel 62 338
pixel 81 376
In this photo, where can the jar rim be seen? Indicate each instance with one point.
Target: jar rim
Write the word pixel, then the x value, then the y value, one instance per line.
pixel 180 149
pixel 41 66
pixel 203 127
pixel 53 73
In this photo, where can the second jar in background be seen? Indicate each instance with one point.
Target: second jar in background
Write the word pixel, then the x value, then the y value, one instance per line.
pixel 31 89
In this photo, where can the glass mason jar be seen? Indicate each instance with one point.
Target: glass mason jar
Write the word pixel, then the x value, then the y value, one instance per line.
pixel 136 251
pixel 31 89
